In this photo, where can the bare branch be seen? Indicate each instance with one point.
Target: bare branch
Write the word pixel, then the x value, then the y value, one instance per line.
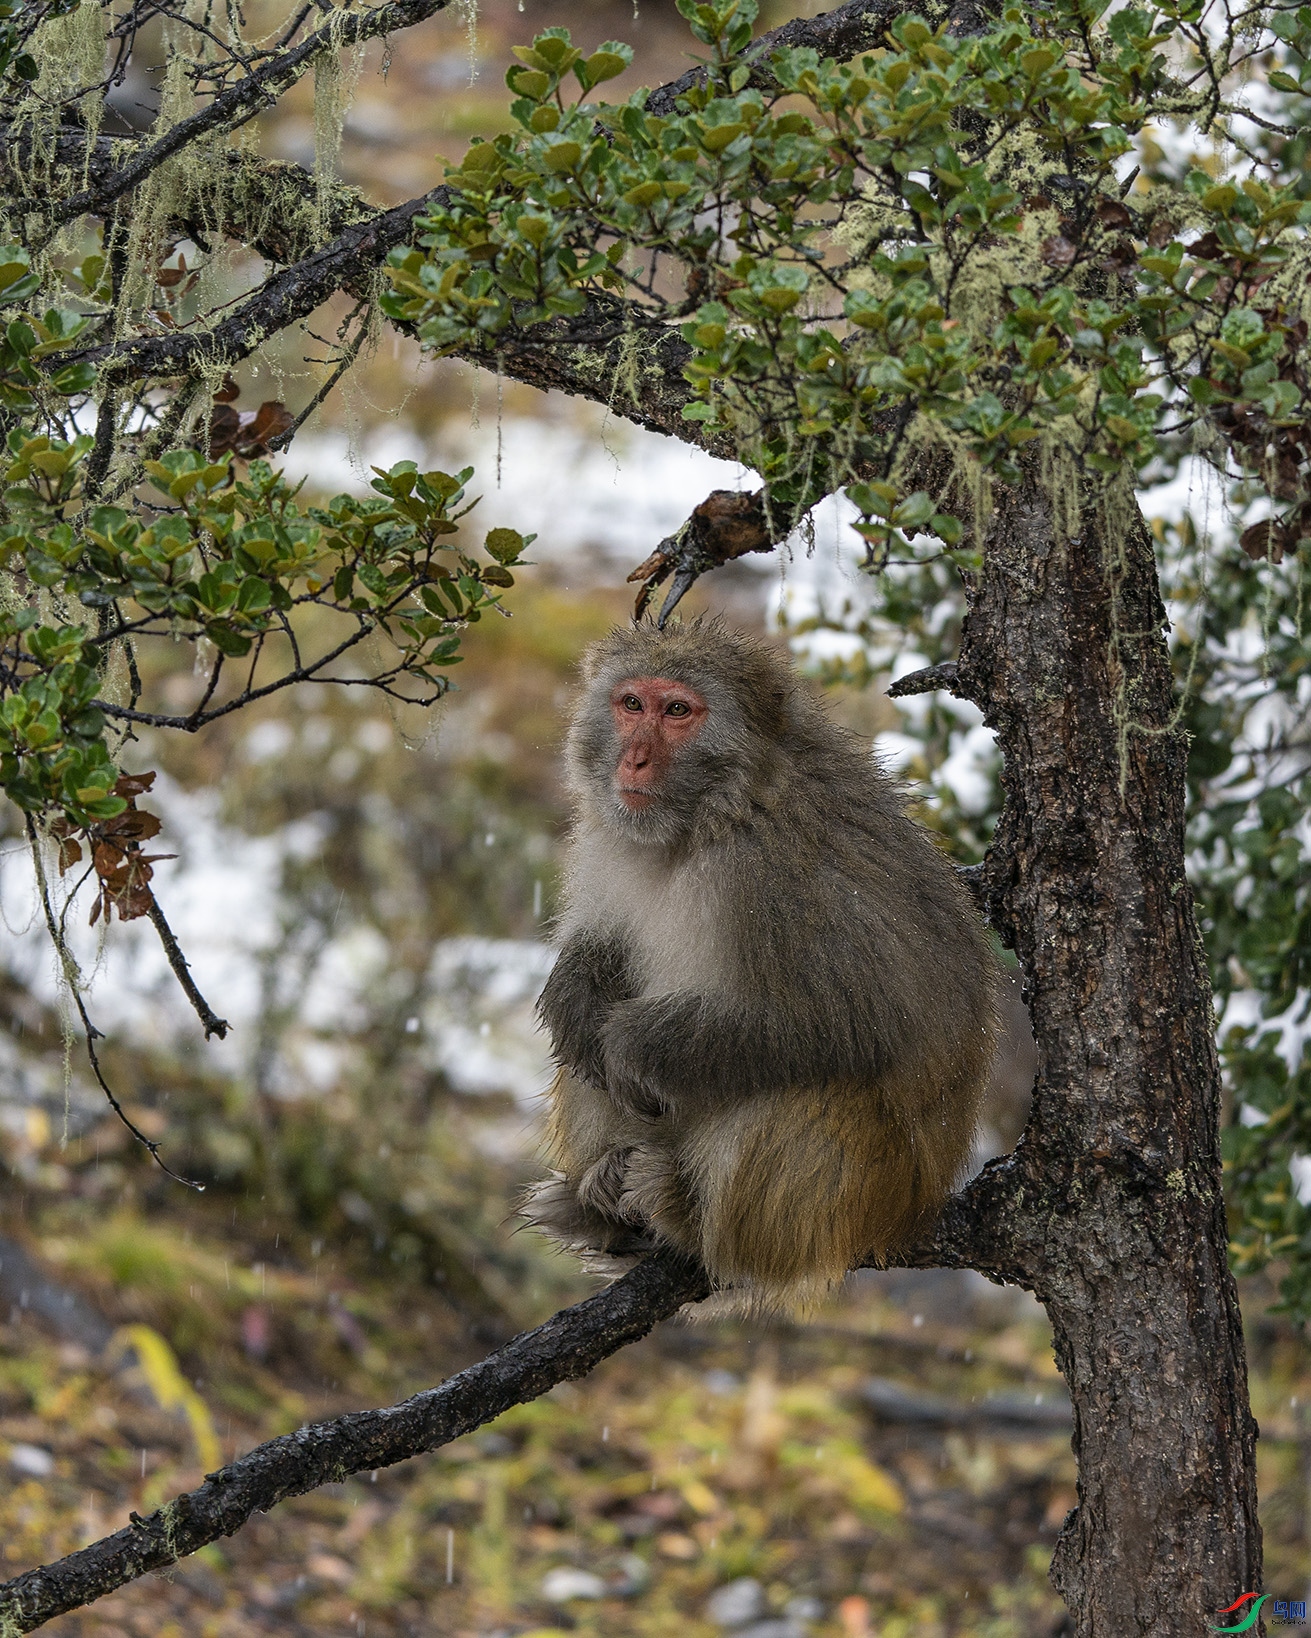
pixel 91 1034
pixel 727 524
pixel 978 1229
pixel 568 1346
pixel 945 676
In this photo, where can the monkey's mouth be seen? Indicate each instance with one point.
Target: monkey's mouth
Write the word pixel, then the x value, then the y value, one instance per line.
pixel 635 801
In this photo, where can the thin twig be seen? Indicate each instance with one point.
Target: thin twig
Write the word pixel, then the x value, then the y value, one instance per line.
pixel 214 1025
pixel 347 358
pixel 68 966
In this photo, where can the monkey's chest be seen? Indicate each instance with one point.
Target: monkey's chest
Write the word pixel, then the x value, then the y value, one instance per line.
pixel 675 938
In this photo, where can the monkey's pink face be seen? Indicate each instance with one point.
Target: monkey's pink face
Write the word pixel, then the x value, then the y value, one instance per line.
pixel 655 718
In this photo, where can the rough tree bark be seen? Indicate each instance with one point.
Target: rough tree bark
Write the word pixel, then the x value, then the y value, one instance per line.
pixel 1117 1215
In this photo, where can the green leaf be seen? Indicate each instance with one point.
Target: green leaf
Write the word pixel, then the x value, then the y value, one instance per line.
pixel 505 545
pixel 226 640
pixel 532 83
pixel 254 596
pixel 74 378
pixel 604 64
pixel 563 156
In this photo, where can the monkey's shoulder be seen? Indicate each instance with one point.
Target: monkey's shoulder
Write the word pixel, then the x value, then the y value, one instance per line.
pixel 810 881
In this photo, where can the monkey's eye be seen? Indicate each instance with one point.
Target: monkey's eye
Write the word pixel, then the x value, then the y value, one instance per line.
pixel 677 708
pixel 630 702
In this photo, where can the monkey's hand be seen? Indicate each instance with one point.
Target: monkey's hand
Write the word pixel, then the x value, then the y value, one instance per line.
pixel 636 1038
pixel 666 1052
pixel 590 976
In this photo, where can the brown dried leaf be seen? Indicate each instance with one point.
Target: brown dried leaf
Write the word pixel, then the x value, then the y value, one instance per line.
pixel 131 785
pixel 1289 481
pixel 224 430
pixel 1112 214
pixel 228 392
pixel 1122 255
pixel 1265 541
pixel 134 902
pixel 1058 251
pixel 109 859
pixel 70 853
pixel 132 826
pixel 1162 232
pixel 271 420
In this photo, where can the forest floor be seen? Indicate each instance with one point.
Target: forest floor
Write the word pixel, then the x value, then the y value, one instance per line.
pixel 897 1466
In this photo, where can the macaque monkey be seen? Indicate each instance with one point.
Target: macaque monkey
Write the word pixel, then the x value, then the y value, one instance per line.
pixel 773 1011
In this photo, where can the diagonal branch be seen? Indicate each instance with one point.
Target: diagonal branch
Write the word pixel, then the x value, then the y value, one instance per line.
pixel 243 100
pixel 279 302
pixel 569 1345
pixel 979 1229
pixel 859 25
pixel 583 355
pixel 259 202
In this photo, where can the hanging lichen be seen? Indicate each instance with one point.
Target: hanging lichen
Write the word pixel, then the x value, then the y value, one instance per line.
pixel 69 52
pixel 468 10
pixel 335 74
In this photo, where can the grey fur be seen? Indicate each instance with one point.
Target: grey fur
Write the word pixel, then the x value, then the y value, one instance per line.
pixel 774 936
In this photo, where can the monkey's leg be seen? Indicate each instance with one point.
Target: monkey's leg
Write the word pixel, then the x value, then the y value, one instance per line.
pixel 588 1140
pixel 794 1187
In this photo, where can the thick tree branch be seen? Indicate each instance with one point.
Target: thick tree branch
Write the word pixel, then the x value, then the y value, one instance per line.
pixel 983 1228
pixel 976 1231
pixel 288 296
pixel 585 356
pixel 945 676
pixel 273 207
pixel 568 1346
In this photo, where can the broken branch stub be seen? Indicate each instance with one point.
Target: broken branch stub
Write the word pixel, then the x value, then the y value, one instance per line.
pixel 727 524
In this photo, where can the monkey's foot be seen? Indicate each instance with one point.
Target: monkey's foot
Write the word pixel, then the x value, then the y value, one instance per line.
pixel 602 1188
pixel 554 1207
pixel 654 1195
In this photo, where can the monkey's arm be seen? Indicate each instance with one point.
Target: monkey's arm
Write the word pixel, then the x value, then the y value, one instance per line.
pixel 589 977
pixel 663 1050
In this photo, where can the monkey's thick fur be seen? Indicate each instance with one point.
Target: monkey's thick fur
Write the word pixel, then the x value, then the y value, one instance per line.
pixel 774 1008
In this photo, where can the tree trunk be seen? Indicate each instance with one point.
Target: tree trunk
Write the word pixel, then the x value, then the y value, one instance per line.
pixel 1118 1217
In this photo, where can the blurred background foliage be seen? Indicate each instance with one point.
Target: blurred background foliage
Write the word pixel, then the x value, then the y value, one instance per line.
pixel 366 890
